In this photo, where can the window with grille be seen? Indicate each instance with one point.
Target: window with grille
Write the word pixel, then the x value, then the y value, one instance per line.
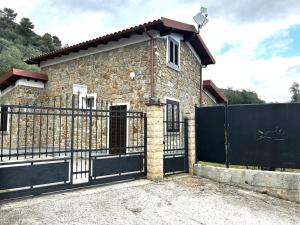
pixel 172 116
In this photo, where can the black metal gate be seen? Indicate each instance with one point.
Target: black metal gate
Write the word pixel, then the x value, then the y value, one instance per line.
pixel 210 133
pixel 65 144
pixel 175 158
pixel 258 135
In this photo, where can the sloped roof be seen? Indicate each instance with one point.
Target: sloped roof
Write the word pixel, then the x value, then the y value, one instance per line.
pixel 13 75
pixel 164 25
pixel 215 91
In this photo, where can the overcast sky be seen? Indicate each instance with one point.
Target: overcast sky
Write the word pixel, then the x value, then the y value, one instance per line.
pixel 256 43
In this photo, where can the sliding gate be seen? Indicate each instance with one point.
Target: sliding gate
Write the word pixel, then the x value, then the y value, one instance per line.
pixel 69 143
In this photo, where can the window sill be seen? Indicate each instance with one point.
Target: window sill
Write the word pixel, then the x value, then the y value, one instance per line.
pixel 173 66
pixel 4 132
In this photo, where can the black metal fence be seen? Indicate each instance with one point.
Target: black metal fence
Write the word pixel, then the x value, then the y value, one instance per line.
pixel 265 135
pixel 69 141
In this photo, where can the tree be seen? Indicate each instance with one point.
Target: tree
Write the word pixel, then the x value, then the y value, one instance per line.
pixel 56 42
pixel 18 42
pixel 26 24
pixel 242 97
pixel 47 42
pixel 295 91
pixel 9 14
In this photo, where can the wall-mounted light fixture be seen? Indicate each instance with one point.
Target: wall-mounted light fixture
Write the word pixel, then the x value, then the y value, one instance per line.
pixel 132 75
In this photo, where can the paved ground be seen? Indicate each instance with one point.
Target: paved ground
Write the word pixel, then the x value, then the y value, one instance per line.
pixel 183 200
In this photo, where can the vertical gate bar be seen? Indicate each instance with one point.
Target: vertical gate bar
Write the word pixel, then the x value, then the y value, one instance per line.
pixel 72 138
pixel 18 138
pixel 66 127
pixel 53 123
pixel 10 125
pixel 77 127
pixel 133 126
pixel 47 126
pixel 145 143
pixel 137 128
pixel 106 124
pixel 226 137
pixel 26 121
pixel 59 134
pixel 101 125
pixel 81 137
pixel 85 138
pixel 196 132
pixel 119 117
pixel 2 136
pixel 186 145
pixel 40 130
pixel 96 121
pixel 90 143
pixel 33 125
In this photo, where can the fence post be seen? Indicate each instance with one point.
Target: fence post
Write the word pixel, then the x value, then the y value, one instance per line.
pixel 191 140
pixel 226 136
pixel 155 142
pixel 145 143
pixel 186 145
pixel 72 138
pixel 90 142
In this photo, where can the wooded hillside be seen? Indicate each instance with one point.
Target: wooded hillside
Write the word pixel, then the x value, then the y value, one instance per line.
pixel 18 41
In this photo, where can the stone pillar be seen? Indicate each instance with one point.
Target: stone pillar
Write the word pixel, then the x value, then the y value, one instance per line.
pixel 155 142
pixel 191 142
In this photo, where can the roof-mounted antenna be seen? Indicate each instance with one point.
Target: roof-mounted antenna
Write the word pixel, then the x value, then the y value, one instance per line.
pixel 201 18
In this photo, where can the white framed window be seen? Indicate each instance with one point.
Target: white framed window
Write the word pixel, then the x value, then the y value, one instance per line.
pixel 173 53
pixel 88 101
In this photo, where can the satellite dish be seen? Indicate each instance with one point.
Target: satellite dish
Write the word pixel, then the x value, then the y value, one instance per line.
pixel 201 18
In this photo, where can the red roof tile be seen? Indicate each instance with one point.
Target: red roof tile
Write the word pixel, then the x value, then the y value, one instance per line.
pixel 13 75
pixel 164 25
pixel 215 91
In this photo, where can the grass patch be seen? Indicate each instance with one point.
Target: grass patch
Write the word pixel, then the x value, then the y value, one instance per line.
pixel 245 167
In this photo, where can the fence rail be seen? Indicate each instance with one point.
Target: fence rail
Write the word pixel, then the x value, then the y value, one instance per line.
pixel 69 141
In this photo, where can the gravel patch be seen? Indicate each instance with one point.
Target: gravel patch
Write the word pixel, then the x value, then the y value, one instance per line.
pixel 176 200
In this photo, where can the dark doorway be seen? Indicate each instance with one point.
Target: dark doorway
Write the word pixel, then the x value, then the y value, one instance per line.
pixel 117 129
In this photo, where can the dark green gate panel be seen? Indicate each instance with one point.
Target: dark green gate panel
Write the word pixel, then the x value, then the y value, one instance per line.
pixel 115 165
pixel 264 135
pixel 210 134
pixel 23 176
pixel 173 164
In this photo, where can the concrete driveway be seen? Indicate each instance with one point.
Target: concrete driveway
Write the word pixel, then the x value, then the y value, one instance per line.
pixel 180 200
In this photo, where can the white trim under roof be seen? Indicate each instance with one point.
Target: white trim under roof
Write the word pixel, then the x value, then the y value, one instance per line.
pixel 23 82
pixel 193 51
pixel 134 39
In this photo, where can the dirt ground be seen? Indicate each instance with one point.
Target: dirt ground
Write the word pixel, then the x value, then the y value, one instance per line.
pixel 177 200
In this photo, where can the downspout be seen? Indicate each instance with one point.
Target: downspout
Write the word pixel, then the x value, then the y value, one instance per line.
pixel 201 84
pixel 151 63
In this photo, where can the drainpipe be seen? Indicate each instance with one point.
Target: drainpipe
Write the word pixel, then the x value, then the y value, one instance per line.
pixel 152 63
pixel 201 84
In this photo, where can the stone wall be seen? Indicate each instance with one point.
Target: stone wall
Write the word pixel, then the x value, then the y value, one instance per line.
pixel 105 73
pixel 207 100
pixel 183 85
pixel 283 185
pixel 22 94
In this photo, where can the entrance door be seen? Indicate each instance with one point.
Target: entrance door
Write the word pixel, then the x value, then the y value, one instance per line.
pixel 117 129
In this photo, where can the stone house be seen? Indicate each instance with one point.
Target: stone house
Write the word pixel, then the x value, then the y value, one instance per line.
pixel 159 61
